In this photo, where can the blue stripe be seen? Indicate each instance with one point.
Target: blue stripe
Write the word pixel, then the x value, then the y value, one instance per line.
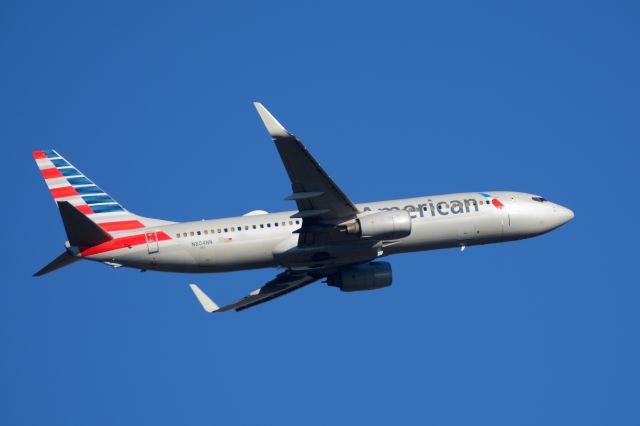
pixel 69 172
pixel 84 190
pixel 50 153
pixel 93 199
pixel 104 208
pixel 60 163
pixel 484 195
pixel 79 181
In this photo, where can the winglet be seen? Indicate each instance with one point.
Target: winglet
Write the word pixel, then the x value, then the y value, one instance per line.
pixel 274 128
pixel 208 304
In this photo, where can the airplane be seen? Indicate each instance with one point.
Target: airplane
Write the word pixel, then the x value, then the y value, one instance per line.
pixel 326 237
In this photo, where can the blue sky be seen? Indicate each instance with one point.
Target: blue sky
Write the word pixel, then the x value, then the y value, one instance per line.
pixel 152 100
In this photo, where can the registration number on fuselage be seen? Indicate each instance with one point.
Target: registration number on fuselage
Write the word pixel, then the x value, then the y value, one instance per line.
pixel 201 243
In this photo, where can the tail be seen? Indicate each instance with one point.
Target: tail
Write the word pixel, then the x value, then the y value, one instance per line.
pixel 89 214
pixel 67 183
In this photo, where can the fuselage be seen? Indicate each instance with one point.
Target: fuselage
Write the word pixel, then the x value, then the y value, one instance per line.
pixel 261 240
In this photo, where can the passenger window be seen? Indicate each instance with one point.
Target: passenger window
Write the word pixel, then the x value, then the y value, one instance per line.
pixel 262 225
pixel 184 234
pixel 290 222
pixel 233 228
pixel 297 222
pixel 246 227
pixel 199 232
pixel 178 235
pixel 254 227
pixel 206 232
pixel 191 233
pixel 488 201
pixel 219 231
pixel 226 229
pixel 239 228
pixel 275 224
pixel 284 223
pixel 268 225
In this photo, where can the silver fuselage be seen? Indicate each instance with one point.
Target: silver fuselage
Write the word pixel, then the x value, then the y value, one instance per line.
pixel 255 241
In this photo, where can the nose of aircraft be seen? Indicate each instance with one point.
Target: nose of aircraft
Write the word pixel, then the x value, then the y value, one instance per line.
pixel 564 214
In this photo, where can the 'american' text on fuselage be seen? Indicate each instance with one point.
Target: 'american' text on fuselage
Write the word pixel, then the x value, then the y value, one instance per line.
pixel 442 208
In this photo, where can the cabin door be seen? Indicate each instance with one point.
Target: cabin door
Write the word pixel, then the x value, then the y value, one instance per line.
pixel 152 242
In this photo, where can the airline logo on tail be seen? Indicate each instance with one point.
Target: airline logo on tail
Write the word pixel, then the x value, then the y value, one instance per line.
pixel 67 183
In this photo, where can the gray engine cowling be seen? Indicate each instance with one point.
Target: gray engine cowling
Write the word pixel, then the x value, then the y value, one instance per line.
pixel 388 225
pixel 370 276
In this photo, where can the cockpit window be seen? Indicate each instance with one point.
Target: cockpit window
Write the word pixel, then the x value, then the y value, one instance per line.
pixel 539 199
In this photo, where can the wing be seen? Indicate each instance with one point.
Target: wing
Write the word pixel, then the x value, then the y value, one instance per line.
pixel 321 203
pixel 315 193
pixel 283 284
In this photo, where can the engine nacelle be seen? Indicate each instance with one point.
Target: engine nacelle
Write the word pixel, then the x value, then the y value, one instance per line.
pixel 371 276
pixel 387 225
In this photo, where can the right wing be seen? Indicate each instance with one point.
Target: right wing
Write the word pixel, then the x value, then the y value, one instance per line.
pixel 283 284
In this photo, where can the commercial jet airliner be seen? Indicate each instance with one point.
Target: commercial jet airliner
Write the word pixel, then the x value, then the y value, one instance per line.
pixel 326 237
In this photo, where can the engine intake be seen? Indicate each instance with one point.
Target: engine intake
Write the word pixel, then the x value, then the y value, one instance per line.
pixel 388 225
pixel 371 276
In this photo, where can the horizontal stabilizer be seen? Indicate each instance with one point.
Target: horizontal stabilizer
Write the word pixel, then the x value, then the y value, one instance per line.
pixel 59 262
pixel 81 231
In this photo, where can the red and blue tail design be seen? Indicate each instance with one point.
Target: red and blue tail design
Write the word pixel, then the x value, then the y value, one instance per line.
pixel 67 183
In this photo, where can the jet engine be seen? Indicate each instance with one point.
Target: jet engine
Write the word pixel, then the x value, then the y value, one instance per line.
pixel 370 276
pixel 387 225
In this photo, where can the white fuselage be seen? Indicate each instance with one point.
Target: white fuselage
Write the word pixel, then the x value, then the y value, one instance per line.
pixel 268 240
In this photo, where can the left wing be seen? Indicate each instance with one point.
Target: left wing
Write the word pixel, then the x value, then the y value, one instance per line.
pixel 315 193
pixel 321 203
pixel 281 285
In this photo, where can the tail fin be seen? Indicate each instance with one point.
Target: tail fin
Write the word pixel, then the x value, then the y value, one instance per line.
pixel 68 184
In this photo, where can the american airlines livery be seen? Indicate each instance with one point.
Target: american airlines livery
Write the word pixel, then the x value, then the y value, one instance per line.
pixel 326 237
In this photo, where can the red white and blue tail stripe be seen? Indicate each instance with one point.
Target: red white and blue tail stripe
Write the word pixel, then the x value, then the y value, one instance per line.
pixel 67 183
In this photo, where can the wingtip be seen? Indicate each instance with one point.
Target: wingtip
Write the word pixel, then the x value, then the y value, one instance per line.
pixel 207 304
pixel 273 126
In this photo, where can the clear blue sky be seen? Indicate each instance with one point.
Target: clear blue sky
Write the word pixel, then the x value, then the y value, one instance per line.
pixel 152 100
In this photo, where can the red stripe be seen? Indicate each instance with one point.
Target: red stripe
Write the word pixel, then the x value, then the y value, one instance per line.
pixel 497 203
pixel 84 209
pixel 51 173
pixel 122 242
pixel 39 154
pixel 121 226
pixel 66 191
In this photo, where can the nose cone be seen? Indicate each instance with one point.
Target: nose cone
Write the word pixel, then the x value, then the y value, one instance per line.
pixel 565 214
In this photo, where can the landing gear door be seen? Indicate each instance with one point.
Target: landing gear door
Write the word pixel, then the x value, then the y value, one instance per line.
pixel 152 242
